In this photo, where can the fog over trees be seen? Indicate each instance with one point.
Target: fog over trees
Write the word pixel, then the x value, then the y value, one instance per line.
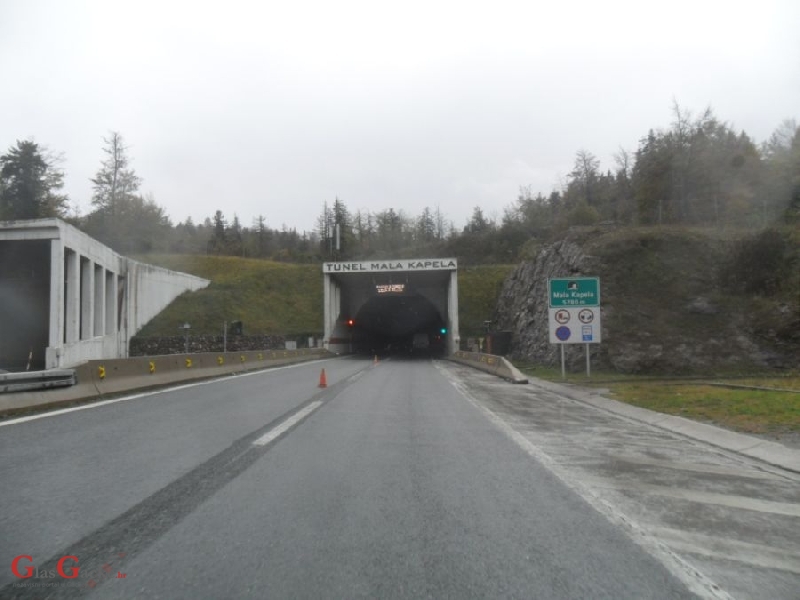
pixel 697 171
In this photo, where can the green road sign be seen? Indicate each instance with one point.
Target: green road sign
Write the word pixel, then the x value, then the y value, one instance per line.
pixel 579 291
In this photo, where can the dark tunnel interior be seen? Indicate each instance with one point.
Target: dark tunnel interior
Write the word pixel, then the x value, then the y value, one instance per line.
pixel 407 325
pixel 24 304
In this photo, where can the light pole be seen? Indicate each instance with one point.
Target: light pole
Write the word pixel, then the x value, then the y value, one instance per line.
pixel 186 327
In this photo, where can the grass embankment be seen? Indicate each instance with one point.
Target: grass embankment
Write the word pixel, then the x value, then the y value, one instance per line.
pixel 731 402
pixel 286 299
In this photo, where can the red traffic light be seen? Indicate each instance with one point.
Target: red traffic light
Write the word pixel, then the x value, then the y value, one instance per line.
pixel 350 322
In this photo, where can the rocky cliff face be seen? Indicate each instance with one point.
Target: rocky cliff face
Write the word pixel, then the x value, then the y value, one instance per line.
pixel 665 303
pixel 523 308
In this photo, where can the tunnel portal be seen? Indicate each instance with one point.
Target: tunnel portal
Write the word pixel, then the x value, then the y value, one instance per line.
pixel 405 306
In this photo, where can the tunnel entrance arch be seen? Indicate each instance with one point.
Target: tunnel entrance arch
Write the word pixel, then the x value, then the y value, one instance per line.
pixel 391 305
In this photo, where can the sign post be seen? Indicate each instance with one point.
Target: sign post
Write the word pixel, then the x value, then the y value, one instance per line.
pixel 186 327
pixel 574 314
pixel 588 364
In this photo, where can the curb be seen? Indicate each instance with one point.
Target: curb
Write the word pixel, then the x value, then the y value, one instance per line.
pixel 772 453
pixel 101 379
pixel 490 363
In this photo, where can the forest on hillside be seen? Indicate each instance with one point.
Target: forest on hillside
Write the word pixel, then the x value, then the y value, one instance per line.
pixel 698 171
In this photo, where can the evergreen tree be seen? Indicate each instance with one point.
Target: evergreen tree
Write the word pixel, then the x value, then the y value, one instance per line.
pixel 780 190
pixel 29 181
pixel 122 218
pixel 114 182
pixel 426 227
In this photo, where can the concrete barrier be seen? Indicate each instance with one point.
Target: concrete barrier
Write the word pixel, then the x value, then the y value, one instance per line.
pixel 104 378
pixel 496 365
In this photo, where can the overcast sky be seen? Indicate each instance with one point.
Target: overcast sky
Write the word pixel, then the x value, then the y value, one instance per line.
pixel 275 107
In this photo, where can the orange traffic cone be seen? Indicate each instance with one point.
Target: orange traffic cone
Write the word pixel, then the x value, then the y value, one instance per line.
pixel 323 381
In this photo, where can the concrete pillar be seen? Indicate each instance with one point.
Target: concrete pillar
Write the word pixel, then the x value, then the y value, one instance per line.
pixel 326 305
pixel 333 301
pixel 72 299
pixel 56 326
pixel 453 337
pixel 87 299
pixel 337 302
pixel 124 300
pixel 99 300
pixel 111 303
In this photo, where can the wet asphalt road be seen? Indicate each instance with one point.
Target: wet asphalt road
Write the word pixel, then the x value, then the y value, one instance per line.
pixel 726 524
pixel 395 484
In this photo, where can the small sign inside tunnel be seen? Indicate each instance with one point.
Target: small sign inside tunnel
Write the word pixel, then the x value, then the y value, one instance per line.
pixel 391 288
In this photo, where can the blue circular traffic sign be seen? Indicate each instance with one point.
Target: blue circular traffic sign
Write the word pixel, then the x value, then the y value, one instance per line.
pixel 563 333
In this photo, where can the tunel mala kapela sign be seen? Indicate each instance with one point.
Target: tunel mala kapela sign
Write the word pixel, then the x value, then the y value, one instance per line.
pixel 386 266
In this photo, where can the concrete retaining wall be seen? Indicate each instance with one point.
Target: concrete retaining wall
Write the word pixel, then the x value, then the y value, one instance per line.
pixel 100 378
pixel 66 298
pixel 151 289
pixel 496 365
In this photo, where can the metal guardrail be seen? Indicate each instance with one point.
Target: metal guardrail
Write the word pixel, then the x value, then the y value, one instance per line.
pixel 37 380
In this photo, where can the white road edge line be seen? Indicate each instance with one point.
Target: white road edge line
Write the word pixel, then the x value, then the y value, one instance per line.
pixel 62 411
pixel 278 431
pixel 696 581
